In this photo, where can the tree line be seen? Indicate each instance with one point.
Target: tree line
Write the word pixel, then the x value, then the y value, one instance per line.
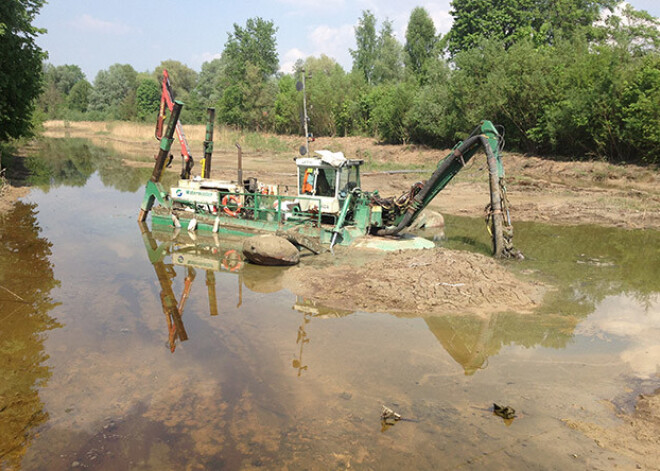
pixel 562 79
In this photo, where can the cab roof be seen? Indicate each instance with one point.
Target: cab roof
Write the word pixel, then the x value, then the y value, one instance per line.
pixel 328 160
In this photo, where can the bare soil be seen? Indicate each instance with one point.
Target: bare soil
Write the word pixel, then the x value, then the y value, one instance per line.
pixel 638 435
pixel 9 194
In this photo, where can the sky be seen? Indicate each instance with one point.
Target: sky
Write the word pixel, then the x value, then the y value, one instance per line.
pixel 94 34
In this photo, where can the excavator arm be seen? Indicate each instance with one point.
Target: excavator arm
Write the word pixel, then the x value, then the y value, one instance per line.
pixel 486 137
pixel 167 102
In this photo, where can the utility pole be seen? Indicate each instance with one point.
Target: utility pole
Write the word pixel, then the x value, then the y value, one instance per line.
pixel 305 113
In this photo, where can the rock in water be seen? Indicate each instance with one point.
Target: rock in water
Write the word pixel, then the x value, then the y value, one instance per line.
pixel 270 250
pixel 429 224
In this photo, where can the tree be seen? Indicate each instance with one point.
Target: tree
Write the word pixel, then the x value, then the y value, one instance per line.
pixel 111 89
pixel 388 65
pixel 63 77
pixel 51 101
pixel 209 82
pixel 545 21
pixel 390 113
pixel 255 44
pixel 635 31
pixel 147 99
pixel 364 57
pixel 554 20
pixel 287 106
pixel 420 41
pixel 58 83
pixel 182 78
pixel 641 110
pixel 251 61
pixel 20 66
pixel 78 98
pixel 430 119
pixel 326 92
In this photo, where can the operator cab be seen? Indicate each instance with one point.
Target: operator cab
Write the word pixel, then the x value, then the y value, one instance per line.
pixel 328 178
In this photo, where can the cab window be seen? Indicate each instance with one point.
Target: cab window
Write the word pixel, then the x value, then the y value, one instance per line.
pixel 325 182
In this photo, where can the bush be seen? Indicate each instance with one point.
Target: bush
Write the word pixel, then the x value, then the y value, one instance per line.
pixel 641 111
pixel 392 104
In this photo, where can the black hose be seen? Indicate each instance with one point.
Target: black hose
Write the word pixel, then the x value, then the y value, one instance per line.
pixel 412 211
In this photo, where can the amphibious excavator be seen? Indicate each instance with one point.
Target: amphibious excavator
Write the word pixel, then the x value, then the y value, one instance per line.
pixel 329 207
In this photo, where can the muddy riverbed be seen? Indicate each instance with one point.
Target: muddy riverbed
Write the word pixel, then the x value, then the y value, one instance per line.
pixel 289 368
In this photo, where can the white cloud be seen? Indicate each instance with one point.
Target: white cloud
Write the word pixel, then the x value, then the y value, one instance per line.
pixel 438 11
pixel 630 320
pixel 324 39
pixel 289 60
pixel 333 42
pixel 441 19
pixel 197 60
pixel 88 23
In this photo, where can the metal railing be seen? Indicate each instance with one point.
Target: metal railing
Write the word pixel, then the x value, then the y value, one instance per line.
pixel 284 210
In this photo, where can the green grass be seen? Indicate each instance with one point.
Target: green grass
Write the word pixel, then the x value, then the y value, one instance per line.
pixel 226 138
pixel 260 142
pixel 373 166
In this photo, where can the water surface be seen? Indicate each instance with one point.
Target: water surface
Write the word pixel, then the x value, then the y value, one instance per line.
pixel 98 373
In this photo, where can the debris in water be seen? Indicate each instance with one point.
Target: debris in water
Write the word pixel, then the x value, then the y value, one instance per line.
pixel 388 415
pixel 505 412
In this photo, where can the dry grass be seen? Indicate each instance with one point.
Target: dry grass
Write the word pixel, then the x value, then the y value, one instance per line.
pixel 135 139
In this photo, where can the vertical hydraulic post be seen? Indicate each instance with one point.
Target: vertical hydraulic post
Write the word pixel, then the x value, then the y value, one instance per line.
pixel 208 144
pixel 154 190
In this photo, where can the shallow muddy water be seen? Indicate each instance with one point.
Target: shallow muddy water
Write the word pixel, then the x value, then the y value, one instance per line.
pixel 98 372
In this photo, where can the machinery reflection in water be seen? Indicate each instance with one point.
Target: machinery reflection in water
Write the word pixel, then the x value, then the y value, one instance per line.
pixel 187 251
pixel 310 309
pixel 469 339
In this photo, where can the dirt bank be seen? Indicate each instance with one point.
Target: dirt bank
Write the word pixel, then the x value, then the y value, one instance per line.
pixel 638 436
pixel 416 283
pixel 9 194
pixel 543 190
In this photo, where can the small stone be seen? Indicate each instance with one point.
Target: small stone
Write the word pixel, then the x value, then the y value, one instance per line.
pixel 75 464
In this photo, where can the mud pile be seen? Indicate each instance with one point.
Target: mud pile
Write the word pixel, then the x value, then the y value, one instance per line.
pixel 420 283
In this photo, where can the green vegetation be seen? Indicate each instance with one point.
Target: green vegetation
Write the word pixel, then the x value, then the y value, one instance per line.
pixel 509 21
pixel 420 43
pixel 20 67
pixel 562 78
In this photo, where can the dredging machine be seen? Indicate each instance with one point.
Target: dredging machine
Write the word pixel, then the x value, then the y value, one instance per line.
pixel 329 206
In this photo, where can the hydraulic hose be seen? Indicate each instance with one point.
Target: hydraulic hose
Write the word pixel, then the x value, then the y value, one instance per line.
pixel 416 205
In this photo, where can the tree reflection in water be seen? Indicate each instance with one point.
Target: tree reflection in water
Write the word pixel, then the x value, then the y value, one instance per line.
pixel 26 280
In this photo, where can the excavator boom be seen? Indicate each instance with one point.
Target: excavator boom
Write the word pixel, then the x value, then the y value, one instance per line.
pixel 167 101
pixel 486 137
